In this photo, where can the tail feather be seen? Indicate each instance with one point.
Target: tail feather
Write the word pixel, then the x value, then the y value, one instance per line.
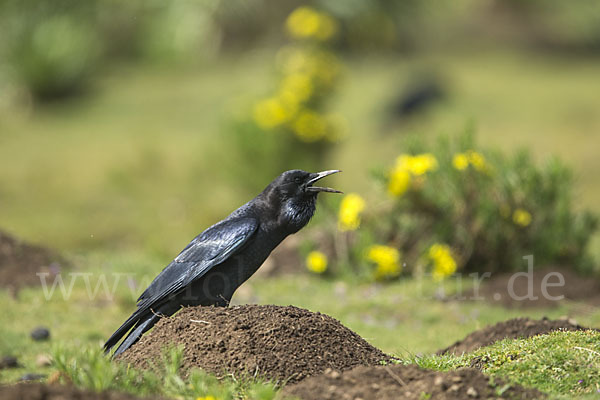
pixel 136 333
pixel 131 322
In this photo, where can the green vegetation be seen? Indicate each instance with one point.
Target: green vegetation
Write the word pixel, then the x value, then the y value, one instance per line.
pixel 291 125
pixel 560 363
pixel 89 368
pixel 455 207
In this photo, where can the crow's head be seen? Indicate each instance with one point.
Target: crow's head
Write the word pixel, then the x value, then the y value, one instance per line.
pixel 297 183
pixel 295 194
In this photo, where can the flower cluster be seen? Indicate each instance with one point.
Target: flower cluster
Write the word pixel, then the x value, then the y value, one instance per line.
pixel 444 264
pixel 387 260
pixel 308 75
pixel 461 161
pixel 308 23
pixel 408 167
pixel 351 208
pixel 316 262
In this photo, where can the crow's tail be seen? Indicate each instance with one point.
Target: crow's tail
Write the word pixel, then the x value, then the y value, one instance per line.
pixel 140 325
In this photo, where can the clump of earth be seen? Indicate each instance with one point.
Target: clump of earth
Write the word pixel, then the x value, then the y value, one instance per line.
pixel 512 329
pixel 38 391
pixel 20 262
pixel 283 344
pixel 390 382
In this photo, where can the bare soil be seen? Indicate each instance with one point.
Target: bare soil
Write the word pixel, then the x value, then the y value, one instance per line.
pixel 405 382
pixel 282 344
pixel 38 391
pixel 513 329
pixel 21 261
pixel 528 293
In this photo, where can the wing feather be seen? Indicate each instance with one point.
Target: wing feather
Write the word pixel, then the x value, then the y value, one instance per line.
pixel 210 248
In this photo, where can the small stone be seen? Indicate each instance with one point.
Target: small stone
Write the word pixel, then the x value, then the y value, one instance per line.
pixel 32 377
pixel 471 392
pixel 9 362
pixel 335 374
pixel 43 360
pixel 456 379
pixel 454 388
pixel 375 386
pixel 40 333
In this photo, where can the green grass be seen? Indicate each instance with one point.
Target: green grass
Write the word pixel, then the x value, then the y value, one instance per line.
pixel 560 363
pixel 89 368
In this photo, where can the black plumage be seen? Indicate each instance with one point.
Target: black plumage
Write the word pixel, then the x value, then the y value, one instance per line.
pixel 213 265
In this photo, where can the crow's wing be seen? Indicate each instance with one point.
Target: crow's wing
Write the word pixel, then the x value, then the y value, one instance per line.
pixel 210 248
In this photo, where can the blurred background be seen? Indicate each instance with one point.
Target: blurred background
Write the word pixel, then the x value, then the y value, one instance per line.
pixel 127 125
pixel 467 130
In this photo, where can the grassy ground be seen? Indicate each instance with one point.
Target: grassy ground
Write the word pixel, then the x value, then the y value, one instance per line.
pixel 560 363
pixel 404 318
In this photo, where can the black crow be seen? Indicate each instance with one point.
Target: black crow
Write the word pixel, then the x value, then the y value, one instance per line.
pixel 213 265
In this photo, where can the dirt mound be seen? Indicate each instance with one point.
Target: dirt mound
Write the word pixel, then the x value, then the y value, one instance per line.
pixel 529 291
pixel 513 329
pixel 284 344
pixel 406 382
pixel 38 391
pixel 20 261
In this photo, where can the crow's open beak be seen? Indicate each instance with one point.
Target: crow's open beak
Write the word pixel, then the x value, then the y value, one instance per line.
pixel 320 175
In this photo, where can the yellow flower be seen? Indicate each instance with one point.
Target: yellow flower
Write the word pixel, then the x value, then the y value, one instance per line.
pixel 521 217
pixel 273 112
pixel 316 262
pixel 477 161
pixel 399 181
pixel 460 161
pixel 444 264
pixel 407 167
pixel 350 209
pixel 309 126
pixel 387 260
pixel 296 87
pixel 418 164
pixel 206 398
pixel 306 22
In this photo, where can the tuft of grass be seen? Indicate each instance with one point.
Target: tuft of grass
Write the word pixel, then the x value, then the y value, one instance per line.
pixel 559 363
pixel 90 369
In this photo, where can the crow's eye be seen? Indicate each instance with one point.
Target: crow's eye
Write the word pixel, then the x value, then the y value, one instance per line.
pixel 297 180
